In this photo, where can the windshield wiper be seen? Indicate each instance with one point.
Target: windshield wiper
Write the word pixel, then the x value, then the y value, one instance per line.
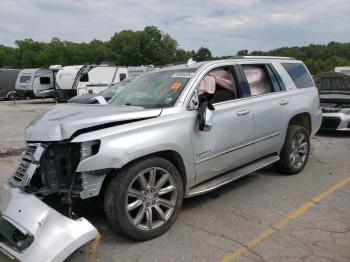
pixel 128 104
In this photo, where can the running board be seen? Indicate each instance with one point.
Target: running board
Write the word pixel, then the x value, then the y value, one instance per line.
pixel 217 182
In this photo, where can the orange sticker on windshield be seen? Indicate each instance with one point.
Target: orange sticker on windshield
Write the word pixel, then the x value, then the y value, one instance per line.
pixel 176 86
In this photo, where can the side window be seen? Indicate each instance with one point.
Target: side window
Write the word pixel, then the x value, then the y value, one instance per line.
pixel 258 79
pixel 122 76
pixel 44 80
pixel 218 85
pixel 24 79
pixel 84 77
pixel 299 74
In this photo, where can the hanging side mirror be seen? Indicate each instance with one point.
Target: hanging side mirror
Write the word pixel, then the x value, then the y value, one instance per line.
pixel 194 102
pixel 205 119
pixel 205 114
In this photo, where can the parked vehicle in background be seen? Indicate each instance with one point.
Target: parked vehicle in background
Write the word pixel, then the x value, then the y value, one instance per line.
pixel 8 79
pixel 177 132
pixel 334 90
pixel 104 96
pixel 343 69
pixel 36 83
pixel 91 79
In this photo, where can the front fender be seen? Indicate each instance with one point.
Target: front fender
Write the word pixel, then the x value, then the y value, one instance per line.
pixel 123 144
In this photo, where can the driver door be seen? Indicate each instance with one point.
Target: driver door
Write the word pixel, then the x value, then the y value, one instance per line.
pixel 229 144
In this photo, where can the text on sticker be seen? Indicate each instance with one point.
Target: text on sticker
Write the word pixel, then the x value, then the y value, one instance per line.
pixel 183 74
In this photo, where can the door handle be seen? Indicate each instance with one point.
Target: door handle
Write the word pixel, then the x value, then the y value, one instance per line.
pixel 243 112
pixel 284 102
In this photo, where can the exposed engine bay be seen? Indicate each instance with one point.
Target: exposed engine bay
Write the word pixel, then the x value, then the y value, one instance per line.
pixel 50 168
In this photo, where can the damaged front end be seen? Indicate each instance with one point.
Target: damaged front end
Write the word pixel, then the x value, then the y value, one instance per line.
pixel 36 222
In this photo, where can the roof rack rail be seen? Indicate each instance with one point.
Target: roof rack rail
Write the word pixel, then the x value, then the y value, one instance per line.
pixel 269 57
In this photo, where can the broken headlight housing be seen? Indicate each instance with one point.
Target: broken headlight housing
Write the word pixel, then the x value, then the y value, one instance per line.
pixel 89 148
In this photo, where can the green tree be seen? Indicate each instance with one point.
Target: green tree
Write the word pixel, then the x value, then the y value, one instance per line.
pixel 203 54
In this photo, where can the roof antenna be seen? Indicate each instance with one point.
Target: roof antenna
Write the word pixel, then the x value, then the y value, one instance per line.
pixel 190 62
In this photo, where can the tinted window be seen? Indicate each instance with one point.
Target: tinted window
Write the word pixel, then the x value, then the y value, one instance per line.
pixel 84 77
pixel 24 79
pixel 299 75
pixel 44 80
pixel 122 76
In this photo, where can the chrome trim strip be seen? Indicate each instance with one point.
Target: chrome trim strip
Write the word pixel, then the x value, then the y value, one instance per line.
pixel 266 137
pixel 238 147
pixel 225 152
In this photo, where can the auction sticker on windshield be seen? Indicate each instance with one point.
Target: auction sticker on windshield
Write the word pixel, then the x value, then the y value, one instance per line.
pixel 176 86
pixel 183 74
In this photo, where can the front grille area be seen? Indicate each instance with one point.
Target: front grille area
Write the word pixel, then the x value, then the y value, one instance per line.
pixel 330 122
pixel 47 168
pixel 28 164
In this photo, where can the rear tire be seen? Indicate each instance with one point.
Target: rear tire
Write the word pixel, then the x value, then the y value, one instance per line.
pixel 144 199
pixel 295 152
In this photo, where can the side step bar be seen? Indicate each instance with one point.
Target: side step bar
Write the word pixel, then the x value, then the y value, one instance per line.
pixel 217 182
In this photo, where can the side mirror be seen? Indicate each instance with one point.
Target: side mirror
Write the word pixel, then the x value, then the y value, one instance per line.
pixel 194 102
pixel 206 117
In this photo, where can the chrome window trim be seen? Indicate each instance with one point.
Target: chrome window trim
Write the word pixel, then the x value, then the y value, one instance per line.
pixel 237 148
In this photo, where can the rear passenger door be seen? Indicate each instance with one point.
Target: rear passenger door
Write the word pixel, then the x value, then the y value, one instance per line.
pixel 271 106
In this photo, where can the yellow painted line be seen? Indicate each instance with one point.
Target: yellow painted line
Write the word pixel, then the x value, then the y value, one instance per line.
pixel 243 249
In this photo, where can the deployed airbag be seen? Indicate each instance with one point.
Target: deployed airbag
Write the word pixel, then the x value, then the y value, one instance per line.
pixel 216 77
pixel 257 80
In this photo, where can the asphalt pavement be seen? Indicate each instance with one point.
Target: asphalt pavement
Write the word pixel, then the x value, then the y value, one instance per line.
pixel 265 216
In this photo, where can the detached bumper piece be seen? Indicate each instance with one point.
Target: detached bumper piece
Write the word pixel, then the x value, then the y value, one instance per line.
pixel 32 231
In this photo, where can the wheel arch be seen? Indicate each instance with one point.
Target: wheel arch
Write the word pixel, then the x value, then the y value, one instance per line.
pixel 171 155
pixel 302 119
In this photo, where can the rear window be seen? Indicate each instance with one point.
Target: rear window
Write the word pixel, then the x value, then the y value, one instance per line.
pixel 24 79
pixel 299 75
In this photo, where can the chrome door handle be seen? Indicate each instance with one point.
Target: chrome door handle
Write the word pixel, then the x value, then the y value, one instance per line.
pixel 284 102
pixel 243 112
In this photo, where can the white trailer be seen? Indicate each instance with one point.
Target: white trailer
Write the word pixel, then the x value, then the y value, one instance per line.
pixel 36 83
pixel 91 79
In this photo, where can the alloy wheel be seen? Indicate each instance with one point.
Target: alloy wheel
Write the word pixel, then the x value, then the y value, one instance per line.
pixel 299 150
pixel 151 198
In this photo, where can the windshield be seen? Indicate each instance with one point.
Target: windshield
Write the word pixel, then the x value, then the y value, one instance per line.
pixel 154 90
pixel 116 87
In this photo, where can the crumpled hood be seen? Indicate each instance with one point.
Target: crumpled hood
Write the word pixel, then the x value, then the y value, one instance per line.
pixel 63 120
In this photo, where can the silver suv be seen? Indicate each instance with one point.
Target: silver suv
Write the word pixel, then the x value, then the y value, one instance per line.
pixel 177 132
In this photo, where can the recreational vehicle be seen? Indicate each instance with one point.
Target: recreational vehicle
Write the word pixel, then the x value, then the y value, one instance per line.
pixel 91 79
pixel 36 83
pixel 7 83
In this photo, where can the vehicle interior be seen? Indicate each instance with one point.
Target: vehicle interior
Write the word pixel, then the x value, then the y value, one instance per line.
pixel 220 84
pixel 258 79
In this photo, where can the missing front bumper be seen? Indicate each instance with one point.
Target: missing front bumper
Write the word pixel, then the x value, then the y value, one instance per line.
pixel 54 236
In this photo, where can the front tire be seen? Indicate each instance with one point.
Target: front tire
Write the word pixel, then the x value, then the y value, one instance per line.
pixel 295 151
pixel 144 199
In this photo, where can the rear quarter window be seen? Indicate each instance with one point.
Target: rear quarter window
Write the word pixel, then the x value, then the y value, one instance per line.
pixel 299 75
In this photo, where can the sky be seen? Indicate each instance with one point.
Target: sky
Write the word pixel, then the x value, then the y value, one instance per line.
pixel 223 26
